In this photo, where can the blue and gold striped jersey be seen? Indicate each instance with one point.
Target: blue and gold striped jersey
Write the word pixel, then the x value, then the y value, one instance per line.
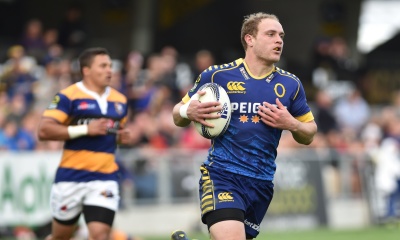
pixel 88 158
pixel 249 147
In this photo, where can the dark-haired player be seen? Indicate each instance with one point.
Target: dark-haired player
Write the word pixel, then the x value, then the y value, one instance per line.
pixel 89 116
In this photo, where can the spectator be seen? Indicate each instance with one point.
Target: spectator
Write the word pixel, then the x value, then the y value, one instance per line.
pixel 352 112
pixel 13 138
pixel 203 59
pixel 17 76
pixel 144 89
pixel 178 74
pixel 50 37
pixel 32 39
pixel 324 117
pixel 72 31
pixel 343 65
pixel 145 180
pixel 132 75
pixel 387 174
pixel 47 86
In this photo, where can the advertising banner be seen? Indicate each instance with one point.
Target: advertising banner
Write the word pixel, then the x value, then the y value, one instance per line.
pixel 299 198
pixel 25 181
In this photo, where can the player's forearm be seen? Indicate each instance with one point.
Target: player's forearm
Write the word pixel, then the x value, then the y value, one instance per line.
pixel 304 132
pixel 50 130
pixel 178 120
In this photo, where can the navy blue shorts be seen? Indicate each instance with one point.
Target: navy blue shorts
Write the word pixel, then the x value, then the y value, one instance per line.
pixel 221 189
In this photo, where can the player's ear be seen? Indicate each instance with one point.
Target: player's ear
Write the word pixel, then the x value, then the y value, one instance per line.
pixel 249 40
pixel 85 71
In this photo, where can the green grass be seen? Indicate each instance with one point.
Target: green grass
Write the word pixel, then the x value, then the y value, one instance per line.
pixel 376 233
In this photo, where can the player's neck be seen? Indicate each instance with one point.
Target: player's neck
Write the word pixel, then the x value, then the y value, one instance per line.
pixel 257 67
pixel 93 87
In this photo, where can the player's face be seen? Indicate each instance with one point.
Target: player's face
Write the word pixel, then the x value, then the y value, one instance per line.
pixel 100 71
pixel 268 43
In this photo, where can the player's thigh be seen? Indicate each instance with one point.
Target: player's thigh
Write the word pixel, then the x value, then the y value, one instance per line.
pixel 228 229
pixel 66 200
pixel 99 221
pixel 99 230
pixel 103 194
pixel 60 231
pixel 100 206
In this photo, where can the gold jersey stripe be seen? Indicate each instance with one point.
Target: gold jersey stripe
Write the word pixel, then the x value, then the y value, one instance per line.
pixel 89 161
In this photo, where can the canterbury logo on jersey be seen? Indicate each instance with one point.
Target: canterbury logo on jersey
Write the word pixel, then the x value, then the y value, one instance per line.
pixel 225 197
pixel 236 86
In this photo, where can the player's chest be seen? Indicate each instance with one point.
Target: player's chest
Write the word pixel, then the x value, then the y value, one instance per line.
pixel 92 107
pixel 257 91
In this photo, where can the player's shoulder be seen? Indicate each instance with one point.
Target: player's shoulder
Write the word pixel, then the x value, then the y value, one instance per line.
pixel 117 96
pixel 70 90
pixel 285 73
pixel 223 67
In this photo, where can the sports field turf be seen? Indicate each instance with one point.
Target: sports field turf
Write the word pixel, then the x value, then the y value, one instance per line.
pixel 381 233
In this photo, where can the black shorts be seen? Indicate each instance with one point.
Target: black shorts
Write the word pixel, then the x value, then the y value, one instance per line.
pixel 92 214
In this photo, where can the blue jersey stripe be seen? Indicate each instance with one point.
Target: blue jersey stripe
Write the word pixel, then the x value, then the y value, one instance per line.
pixel 72 175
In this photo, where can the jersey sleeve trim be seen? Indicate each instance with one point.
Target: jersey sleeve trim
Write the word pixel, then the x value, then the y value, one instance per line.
pixel 186 98
pixel 56 114
pixel 306 117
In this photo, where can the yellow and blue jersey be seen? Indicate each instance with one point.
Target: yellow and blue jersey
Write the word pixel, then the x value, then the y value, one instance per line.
pixel 248 147
pixel 88 158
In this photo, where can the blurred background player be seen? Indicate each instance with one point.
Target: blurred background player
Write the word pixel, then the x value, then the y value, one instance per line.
pixel 89 116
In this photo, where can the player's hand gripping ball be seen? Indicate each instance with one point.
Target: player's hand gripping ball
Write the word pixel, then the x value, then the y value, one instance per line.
pixel 215 92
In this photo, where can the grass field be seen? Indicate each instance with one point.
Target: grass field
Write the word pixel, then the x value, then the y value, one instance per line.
pixel 382 233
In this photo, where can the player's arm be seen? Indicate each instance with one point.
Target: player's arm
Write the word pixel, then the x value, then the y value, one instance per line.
pixel 124 134
pixel 304 132
pixel 50 129
pixel 279 117
pixel 178 119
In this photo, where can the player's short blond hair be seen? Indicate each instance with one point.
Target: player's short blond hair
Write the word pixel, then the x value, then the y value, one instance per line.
pixel 250 25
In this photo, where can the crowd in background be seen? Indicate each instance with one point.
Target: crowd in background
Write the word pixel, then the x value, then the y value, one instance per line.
pixel 44 62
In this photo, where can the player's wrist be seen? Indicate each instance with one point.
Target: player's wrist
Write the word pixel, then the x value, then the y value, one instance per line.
pixel 77 131
pixel 183 109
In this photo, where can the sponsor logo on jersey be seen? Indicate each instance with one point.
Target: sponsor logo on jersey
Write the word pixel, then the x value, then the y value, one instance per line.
pixel 86 106
pixel 279 90
pixel 196 83
pixel 244 73
pixel 236 87
pixel 54 102
pixel 225 197
pixel 113 126
pixel 245 107
pixel 119 108
pixel 269 78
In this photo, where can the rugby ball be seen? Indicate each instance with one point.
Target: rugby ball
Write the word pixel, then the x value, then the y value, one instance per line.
pixel 215 92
